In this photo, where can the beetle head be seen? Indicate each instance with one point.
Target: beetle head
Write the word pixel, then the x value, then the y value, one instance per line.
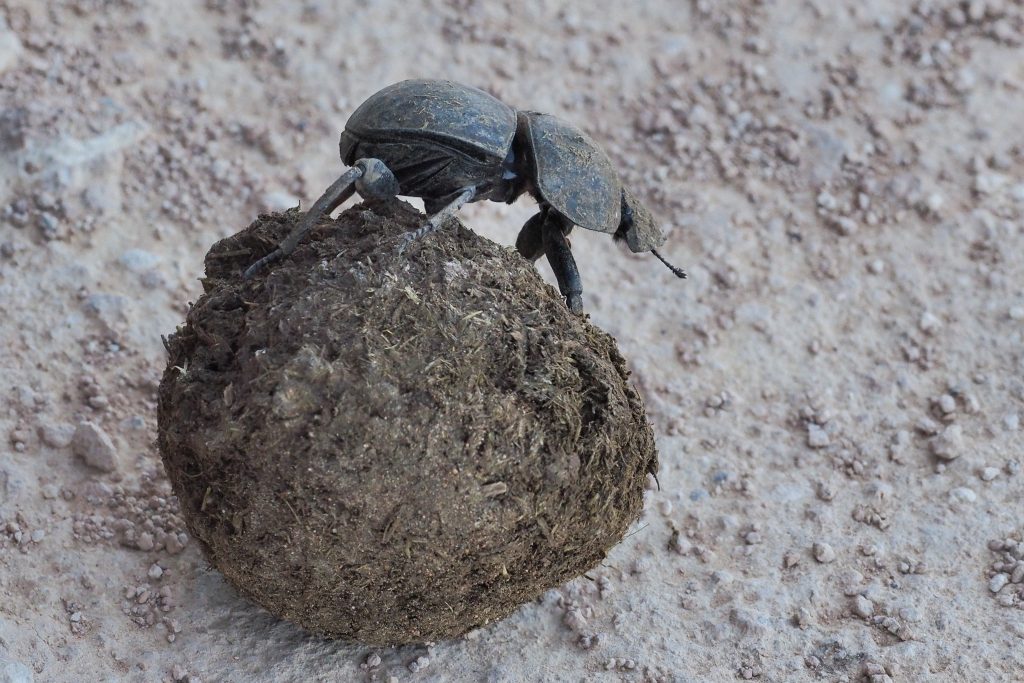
pixel 637 226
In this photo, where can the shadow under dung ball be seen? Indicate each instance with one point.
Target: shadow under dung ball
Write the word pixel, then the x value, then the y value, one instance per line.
pixel 395 449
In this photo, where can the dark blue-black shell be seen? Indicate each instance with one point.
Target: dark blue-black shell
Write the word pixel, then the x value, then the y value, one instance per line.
pixel 458 116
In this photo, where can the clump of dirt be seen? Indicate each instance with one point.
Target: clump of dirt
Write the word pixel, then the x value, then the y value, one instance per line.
pixel 391 448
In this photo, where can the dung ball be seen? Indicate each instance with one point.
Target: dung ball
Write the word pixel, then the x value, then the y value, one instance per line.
pixel 396 448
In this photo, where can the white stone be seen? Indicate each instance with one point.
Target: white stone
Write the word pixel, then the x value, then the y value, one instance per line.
pixel 10 47
pixel 93 445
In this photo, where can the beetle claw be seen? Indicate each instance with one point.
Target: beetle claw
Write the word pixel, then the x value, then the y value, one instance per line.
pixel 269 259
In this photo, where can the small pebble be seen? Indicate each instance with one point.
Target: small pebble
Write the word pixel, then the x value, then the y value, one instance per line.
pixel 851 582
pixel 963 494
pixel 99 402
pixel 175 544
pixel 155 572
pixel 876 673
pixel 145 541
pixel 996 583
pixel 816 436
pixel 989 473
pixel 928 323
pixel 863 607
pixel 824 553
pixel 57 435
pixel 949 444
pixel 94 446
pixel 928 426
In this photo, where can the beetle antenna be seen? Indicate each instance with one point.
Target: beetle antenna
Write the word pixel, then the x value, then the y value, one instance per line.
pixel 339 191
pixel 678 272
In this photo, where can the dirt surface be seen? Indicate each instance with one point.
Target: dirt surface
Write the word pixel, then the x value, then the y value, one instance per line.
pixel 394 448
pixel 837 390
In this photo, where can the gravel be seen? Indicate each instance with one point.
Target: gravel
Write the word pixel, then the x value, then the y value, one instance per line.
pixel 963 494
pixel 817 437
pixel 863 607
pixel 94 446
pixel 948 445
pixel 11 48
pixel 989 473
pixel 824 553
pixel 57 435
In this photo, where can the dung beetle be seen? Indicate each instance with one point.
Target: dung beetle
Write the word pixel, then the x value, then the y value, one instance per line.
pixel 450 144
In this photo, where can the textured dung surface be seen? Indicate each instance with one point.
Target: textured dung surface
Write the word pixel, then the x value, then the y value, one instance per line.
pixel 393 449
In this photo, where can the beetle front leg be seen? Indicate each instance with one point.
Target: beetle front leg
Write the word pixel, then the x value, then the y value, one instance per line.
pixel 562 262
pixel 370 177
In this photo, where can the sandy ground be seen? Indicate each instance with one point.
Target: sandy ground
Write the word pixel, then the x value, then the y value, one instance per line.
pixel 837 390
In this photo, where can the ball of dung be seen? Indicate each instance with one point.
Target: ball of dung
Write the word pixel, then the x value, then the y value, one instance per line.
pixel 396 448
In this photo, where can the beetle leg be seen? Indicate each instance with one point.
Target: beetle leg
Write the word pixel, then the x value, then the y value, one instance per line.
pixel 530 242
pixel 342 189
pixel 370 177
pixel 438 219
pixel 562 263
pixel 376 182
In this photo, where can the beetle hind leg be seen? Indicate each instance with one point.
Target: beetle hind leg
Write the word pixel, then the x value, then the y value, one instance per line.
pixel 438 219
pixel 556 246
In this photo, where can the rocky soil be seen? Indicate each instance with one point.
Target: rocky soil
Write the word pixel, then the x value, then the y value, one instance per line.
pixel 837 390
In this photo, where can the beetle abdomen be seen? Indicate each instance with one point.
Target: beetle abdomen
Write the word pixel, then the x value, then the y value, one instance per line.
pixel 454 115
pixel 572 173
